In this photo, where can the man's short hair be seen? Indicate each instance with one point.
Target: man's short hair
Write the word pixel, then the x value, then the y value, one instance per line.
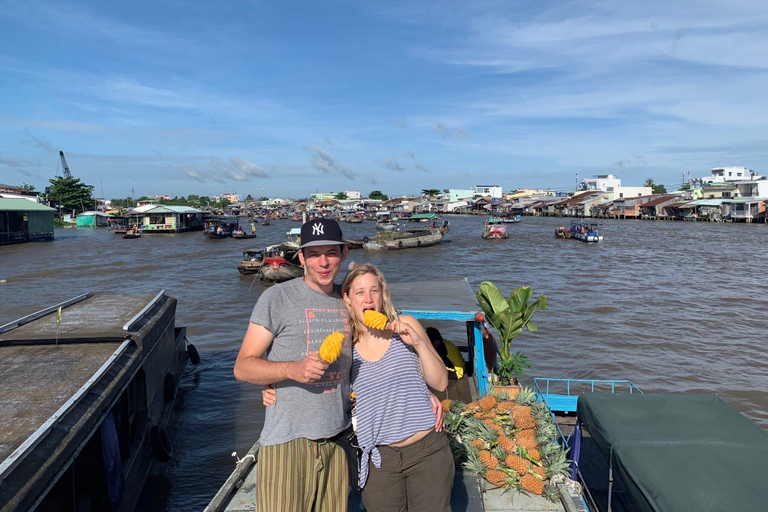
pixel 434 334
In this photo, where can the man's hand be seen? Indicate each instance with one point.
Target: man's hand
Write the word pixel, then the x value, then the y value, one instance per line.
pixel 437 408
pixel 268 395
pixel 308 370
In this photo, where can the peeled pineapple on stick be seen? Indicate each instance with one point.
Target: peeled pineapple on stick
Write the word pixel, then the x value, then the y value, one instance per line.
pixel 374 319
pixel 330 350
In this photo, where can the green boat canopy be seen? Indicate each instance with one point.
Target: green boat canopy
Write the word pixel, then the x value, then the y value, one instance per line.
pixel 677 453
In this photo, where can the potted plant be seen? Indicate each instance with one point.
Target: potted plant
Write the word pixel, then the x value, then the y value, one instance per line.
pixel 509 317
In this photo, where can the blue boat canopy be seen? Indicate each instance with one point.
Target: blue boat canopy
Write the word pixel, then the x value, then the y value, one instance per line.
pixel 677 453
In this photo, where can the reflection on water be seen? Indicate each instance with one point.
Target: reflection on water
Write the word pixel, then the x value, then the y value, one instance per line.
pixel 673 306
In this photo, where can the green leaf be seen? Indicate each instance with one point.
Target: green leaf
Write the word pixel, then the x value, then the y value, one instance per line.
pixel 532 327
pixel 519 298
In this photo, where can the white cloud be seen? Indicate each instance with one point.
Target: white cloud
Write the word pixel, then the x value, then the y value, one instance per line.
pixel 325 162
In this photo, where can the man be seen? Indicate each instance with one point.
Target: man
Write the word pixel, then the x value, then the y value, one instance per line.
pixel 300 468
pixel 450 353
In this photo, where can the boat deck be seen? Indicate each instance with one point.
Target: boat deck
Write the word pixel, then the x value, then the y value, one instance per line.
pixel 43 370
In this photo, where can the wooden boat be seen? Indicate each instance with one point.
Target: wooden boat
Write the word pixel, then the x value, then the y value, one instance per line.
pixel 265 221
pixel 87 395
pixel 510 219
pixel 444 300
pixel 241 235
pixel 253 259
pixel 281 263
pixel 386 222
pixel 354 244
pixel 563 232
pixel 132 233
pixel 354 219
pixel 495 232
pixel 585 232
pixel 409 239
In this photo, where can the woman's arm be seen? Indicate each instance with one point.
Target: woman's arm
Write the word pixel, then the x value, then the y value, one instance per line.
pixel 432 366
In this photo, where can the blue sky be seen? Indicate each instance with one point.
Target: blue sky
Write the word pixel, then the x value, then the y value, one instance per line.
pixel 288 98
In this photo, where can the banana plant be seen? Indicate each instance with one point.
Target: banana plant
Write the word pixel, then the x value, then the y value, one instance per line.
pixel 509 316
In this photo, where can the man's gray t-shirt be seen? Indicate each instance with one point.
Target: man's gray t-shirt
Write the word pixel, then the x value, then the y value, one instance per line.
pixel 300 318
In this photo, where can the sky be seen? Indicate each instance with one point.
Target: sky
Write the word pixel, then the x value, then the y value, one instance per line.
pixel 287 98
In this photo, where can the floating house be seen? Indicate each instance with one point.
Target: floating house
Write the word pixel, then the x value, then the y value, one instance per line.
pixel 24 220
pixel 155 218
pixel 92 220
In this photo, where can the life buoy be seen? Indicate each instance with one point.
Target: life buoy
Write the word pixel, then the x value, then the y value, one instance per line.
pixel 194 355
pixel 400 244
pixel 366 239
pixel 161 444
pixel 169 387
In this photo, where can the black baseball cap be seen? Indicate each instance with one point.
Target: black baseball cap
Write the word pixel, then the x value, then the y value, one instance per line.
pixel 320 232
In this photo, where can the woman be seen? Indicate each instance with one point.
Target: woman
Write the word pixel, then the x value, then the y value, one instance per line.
pixel 405 464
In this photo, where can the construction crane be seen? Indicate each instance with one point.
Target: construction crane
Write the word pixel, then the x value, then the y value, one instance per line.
pixel 64 165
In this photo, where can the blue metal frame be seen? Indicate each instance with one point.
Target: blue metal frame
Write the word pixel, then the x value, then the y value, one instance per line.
pixel 567 402
pixel 482 377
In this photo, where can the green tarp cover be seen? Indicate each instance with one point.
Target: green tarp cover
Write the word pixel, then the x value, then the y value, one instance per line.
pixel 677 453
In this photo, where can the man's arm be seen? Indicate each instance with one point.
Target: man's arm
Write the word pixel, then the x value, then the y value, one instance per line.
pixel 251 366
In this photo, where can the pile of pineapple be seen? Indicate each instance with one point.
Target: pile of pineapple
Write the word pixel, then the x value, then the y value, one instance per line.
pixel 509 441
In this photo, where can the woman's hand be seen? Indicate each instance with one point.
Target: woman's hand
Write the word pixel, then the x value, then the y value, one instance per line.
pixel 406 332
pixel 437 408
pixel 268 395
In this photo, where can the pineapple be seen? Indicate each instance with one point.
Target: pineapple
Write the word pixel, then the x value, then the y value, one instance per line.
pixel 446 405
pixel 526 442
pixel 507 444
pixel 527 433
pixel 532 484
pixel 524 422
pixel 525 396
pixel 496 477
pixel 471 406
pixel 473 463
pixel 374 319
pixel 488 402
pixel 330 350
pixel 488 459
pixel 506 406
pixel 534 454
pixel 517 464
pixel 540 471
pixel 477 443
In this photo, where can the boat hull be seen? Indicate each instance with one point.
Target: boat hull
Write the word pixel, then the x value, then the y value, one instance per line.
pixel 103 381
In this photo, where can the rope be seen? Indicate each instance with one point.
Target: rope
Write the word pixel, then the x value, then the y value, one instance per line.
pixel 240 461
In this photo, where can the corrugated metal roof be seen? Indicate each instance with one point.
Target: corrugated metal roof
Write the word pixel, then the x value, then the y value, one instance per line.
pixel 23 205
pixel 706 202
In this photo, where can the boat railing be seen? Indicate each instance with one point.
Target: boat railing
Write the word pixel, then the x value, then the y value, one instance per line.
pixel 562 395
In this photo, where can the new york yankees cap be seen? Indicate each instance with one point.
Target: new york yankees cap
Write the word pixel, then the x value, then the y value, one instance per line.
pixel 320 232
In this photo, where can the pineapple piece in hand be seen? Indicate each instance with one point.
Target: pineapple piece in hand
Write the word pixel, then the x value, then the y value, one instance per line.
pixel 330 350
pixel 374 319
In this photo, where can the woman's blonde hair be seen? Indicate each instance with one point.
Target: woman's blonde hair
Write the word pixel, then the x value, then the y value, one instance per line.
pixel 387 309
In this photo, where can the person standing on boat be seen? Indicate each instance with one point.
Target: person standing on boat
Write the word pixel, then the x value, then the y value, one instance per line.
pixel 300 467
pixel 405 462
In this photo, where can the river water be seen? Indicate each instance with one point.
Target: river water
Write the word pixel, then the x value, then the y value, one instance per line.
pixel 673 306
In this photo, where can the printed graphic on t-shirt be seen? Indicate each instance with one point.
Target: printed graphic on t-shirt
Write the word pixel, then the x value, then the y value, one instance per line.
pixel 321 323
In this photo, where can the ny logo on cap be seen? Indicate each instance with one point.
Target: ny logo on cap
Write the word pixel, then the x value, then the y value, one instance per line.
pixel 317 229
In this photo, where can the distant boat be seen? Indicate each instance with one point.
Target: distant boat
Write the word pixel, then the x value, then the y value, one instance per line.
pixel 586 232
pixel 252 261
pixel 132 233
pixel 494 231
pixel 240 235
pixel 410 238
pixel 281 263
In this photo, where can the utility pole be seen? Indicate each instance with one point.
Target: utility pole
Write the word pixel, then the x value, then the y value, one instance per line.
pixel 577 183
